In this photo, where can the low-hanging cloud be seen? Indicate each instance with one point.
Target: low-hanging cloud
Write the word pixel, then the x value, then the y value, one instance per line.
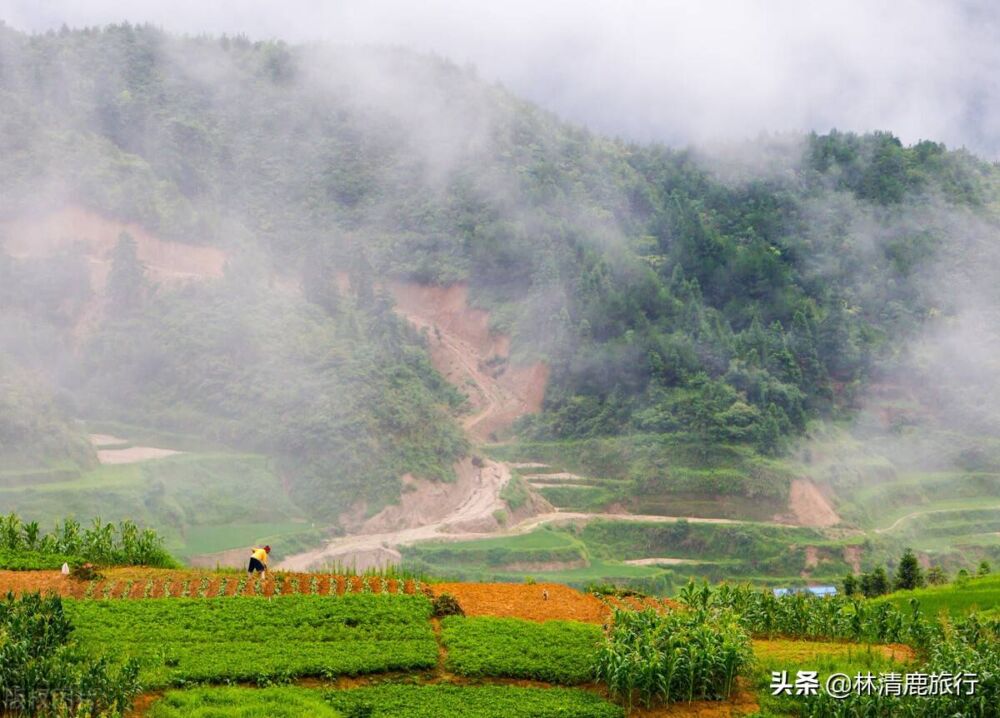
pixel 676 72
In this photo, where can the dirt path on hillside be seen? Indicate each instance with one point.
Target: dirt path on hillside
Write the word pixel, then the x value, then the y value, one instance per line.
pixel 472 357
pixel 895 524
pixel 435 510
pixel 490 399
pixel 357 549
pixel 475 361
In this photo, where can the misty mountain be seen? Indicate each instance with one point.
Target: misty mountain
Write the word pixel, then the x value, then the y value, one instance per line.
pixel 723 297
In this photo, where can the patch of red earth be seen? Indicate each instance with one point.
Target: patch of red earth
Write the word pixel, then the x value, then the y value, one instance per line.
pixel 142 704
pixel 741 703
pixel 20 582
pixel 898 652
pixel 472 357
pixel 526 601
pixel 809 506
pixel 48 233
pixel 56 231
pixel 812 557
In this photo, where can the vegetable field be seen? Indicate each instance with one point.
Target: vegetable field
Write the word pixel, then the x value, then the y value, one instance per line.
pixel 555 651
pixel 385 701
pixel 245 639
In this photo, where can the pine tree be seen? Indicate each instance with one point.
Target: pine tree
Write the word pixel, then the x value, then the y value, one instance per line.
pixel 875 583
pixel 850 584
pixel 908 574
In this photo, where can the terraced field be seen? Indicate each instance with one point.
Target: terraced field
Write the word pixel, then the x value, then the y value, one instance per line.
pixel 355 646
pixel 656 557
pixel 195 497
pixel 981 595
pixel 178 641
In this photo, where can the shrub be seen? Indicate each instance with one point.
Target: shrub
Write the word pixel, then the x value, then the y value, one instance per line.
pixel 85 572
pixel 447 605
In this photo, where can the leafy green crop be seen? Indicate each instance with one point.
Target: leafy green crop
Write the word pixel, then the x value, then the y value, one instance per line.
pixel 247 639
pixel 385 701
pixel 44 673
pixel 273 702
pixel 33 560
pixel 444 701
pixel 554 651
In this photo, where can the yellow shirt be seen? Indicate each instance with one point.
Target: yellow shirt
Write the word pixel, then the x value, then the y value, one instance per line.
pixel 261 555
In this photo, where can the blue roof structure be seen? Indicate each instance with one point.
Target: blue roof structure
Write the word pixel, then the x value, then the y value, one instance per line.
pixel 820 591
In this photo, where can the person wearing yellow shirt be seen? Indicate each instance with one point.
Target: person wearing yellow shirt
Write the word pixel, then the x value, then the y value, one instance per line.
pixel 258 561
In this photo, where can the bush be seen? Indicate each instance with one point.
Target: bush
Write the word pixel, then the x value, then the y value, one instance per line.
pixel 447 605
pixel 85 572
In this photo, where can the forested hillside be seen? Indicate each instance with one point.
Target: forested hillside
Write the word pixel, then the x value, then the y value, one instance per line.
pixel 724 297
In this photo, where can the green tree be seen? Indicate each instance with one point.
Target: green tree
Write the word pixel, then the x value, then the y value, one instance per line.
pixel 850 585
pixel 984 568
pixel 936 576
pixel 908 573
pixel 875 583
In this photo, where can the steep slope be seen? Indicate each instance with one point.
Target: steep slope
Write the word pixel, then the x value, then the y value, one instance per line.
pixel 682 304
pixel 472 357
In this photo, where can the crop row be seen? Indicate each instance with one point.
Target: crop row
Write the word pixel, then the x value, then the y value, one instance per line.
pixel 386 701
pixel 204 586
pixel 554 651
pixel 178 641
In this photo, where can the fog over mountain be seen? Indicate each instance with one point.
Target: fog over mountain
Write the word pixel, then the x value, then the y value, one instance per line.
pixel 672 71
pixel 371 260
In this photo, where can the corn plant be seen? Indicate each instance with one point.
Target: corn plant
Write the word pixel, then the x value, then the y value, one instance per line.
pixel 693 655
pixel 38 654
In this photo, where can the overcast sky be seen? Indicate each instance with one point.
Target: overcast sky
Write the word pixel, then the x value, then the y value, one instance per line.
pixel 680 72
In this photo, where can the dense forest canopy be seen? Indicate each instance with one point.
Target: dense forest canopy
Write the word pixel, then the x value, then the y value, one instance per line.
pixel 726 296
